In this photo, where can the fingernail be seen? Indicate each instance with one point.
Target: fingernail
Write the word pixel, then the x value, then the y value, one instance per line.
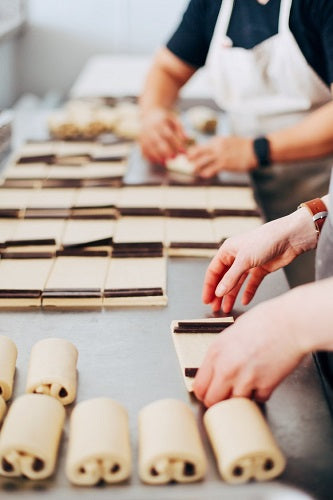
pixel 220 290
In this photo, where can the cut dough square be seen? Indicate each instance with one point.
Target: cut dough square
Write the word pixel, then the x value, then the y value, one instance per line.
pixel 36 172
pixel 22 281
pixel 139 229
pixel 191 339
pixel 190 237
pixel 90 170
pixel 31 149
pixel 224 227
pixel 191 198
pixel 88 232
pixel 135 282
pixel 141 197
pixel 113 151
pixel 29 231
pixel 76 148
pixel 236 198
pixel 51 198
pixel 14 201
pixel 7 229
pixel 97 197
pixel 75 282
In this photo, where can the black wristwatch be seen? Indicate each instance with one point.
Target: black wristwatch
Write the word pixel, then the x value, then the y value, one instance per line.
pixel 262 151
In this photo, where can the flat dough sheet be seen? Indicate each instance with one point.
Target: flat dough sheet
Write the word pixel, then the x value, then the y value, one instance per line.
pixel 191 348
pixel 224 227
pixel 192 231
pixel 51 198
pixel 78 232
pixel 37 171
pixel 186 197
pixel 231 197
pixel 15 198
pixel 97 197
pixel 89 171
pixel 133 274
pixel 7 229
pixel 76 282
pixel 23 275
pixel 39 229
pixel 139 229
pixel 142 197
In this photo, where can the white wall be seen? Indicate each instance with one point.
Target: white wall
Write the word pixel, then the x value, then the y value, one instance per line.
pixel 61 35
pixel 8 73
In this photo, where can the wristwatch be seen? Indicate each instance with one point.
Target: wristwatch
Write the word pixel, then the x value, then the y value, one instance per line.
pixel 318 210
pixel 262 151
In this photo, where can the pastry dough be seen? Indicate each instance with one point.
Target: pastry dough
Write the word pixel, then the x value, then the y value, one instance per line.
pixel 76 281
pixel 30 437
pixel 8 355
pixel 33 230
pixel 170 448
pixel 190 237
pixel 191 198
pixel 3 409
pixel 136 281
pixel 142 197
pixel 191 339
pixel 37 172
pixel 52 369
pixel 97 197
pixel 32 149
pixel 14 201
pixel 243 443
pixel 203 119
pixel 22 281
pixel 88 232
pixel 180 164
pixel 99 443
pixel 225 227
pixel 227 197
pixel 112 151
pixel 7 229
pixel 48 202
pixel 139 229
pixel 96 170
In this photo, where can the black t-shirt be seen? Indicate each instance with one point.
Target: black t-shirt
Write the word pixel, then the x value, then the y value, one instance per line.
pixel 311 22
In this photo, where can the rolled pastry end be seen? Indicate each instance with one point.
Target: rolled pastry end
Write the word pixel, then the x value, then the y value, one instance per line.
pixel 111 469
pixel 163 470
pixel 242 441
pixel 52 369
pixel 30 437
pixel 99 443
pixel 62 392
pixel 170 447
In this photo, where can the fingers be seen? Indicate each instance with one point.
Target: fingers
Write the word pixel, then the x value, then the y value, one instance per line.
pixel 232 277
pixel 230 298
pixel 214 273
pixel 203 378
pixel 218 390
pixel 256 277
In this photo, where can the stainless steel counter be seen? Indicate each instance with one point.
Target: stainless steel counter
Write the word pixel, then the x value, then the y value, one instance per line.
pixel 127 354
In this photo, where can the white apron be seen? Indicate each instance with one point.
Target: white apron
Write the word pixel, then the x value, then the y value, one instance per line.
pixel 264 89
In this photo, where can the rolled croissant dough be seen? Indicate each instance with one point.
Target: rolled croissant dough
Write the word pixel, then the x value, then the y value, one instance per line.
pixel 8 355
pixel 30 437
pixel 99 444
pixel 170 447
pixel 52 369
pixel 243 443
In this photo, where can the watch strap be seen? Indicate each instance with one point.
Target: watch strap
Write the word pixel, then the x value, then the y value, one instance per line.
pixel 261 149
pixel 318 210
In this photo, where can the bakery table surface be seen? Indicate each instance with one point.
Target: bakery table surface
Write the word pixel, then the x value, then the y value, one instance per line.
pixel 127 354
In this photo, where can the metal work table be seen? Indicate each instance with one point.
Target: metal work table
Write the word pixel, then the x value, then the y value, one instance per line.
pixel 128 354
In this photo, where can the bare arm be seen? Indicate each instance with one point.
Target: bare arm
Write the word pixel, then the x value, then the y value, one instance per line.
pixel 162 134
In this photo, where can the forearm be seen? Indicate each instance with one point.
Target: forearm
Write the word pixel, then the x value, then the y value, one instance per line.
pixel 310 138
pixel 309 314
pixel 164 80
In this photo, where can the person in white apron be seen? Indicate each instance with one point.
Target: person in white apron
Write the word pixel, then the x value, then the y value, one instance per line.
pixel 264 90
pixel 266 343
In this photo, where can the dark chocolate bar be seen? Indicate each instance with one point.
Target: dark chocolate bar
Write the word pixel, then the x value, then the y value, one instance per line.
pixel 201 327
pixel 20 294
pixel 240 212
pixel 71 293
pixel 201 245
pixel 191 372
pixel 24 243
pixel 27 255
pixel 194 213
pixel 25 160
pixel 81 252
pixel 150 211
pixel 94 243
pixel 133 292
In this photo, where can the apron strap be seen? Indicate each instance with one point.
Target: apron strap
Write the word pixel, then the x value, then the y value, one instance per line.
pixel 223 20
pixel 285 9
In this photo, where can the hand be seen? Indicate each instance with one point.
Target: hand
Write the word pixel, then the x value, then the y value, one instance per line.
pixel 251 357
pixel 162 135
pixel 223 153
pixel 254 255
